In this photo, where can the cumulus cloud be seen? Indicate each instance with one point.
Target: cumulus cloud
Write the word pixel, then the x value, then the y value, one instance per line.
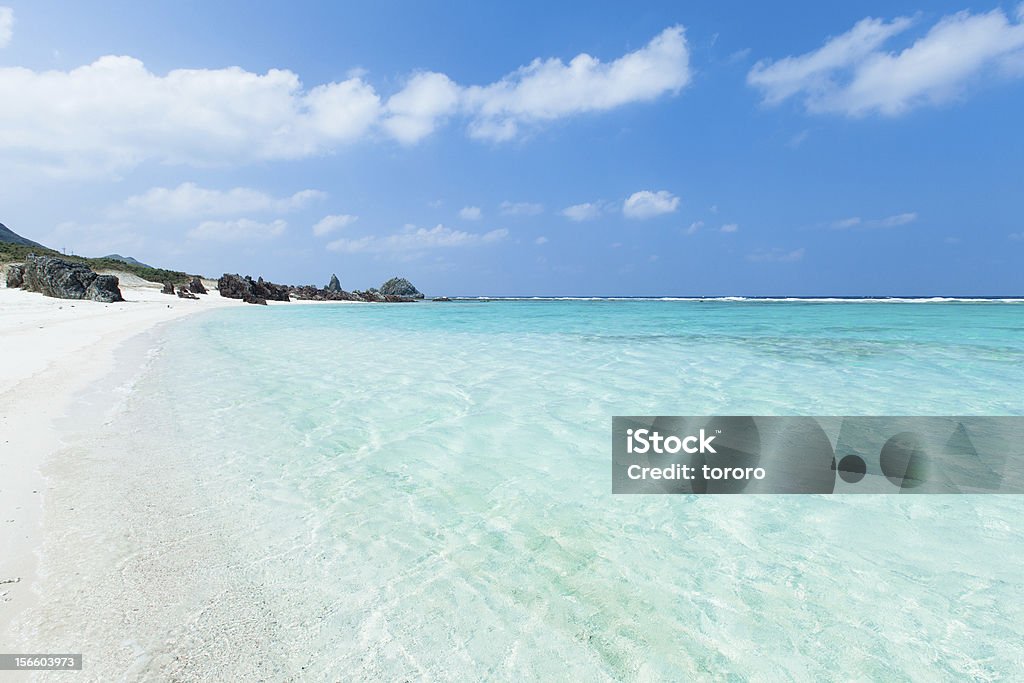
pixel 582 212
pixel 470 213
pixel 551 89
pixel 730 227
pixel 520 209
pixel 414 112
pixel 6 25
pixel 237 230
pixel 852 74
pixel 647 204
pixel 413 239
pixel 694 227
pixel 776 255
pixel 329 224
pixel 541 240
pixel 855 222
pixel 189 200
pixel 115 113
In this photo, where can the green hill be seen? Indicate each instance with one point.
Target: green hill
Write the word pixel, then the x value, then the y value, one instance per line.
pixel 14 248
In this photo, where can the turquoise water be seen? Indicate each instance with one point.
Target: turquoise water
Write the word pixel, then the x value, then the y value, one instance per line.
pixel 424 491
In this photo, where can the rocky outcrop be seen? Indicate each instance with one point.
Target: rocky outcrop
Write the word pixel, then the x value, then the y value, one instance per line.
pixel 105 288
pixel 15 275
pixel 196 286
pixel 440 298
pixel 251 291
pixel 185 293
pixel 399 286
pixel 334 285
pixel 311 293
pixel 260 291
pixel 62 279
pixel 168 288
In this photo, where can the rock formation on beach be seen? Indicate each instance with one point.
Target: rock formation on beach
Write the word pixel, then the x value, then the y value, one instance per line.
pixel 399 286
pixel 251 291
pixel 196 285
pixel 15 275
pixel 62 279
pixel 185 293
pixel 260 291
pixel 168 288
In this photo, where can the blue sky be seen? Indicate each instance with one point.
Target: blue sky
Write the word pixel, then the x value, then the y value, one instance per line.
pixel 527 149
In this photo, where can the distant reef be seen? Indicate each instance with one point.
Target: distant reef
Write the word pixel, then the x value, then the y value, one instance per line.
pixel 63 279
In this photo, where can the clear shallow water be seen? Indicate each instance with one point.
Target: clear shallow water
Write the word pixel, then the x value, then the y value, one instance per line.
pixel 424 491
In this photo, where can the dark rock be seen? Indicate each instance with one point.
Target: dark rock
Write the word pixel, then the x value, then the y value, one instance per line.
pixel 185 293
pixel 311 293
pixel 196 286
pixel 15 275
pixel 440 298
pixel 244 288
pixel 270 291
pixel 68 280
pixel 168 288
pixel 370 295
pixel 104 288
pixel 334 285
pixel 399 286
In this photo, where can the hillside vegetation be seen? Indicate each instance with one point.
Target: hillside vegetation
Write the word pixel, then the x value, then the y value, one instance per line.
pixel 14 253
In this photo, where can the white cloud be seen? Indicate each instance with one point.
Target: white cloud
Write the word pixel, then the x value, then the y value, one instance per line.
pixel 1016 236
pixel 694 227
pixel 582 212
pixel 6 25
pixel 851 74
pixel 730 227
pixel 541 240
pixel 647 204
pixel 551 89
pixel 414 112
pixel 470 213
pixel 776 256
pixel 237 230
pixel 846 223
pixel 413 239
pixel 521 209
pixel 329 224
pixel 893 221
pixel 115 113
pixel 188 200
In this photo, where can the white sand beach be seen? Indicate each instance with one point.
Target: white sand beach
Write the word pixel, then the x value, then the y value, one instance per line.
pixel 52 350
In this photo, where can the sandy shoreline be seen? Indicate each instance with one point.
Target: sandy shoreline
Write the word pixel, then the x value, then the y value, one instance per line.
pixel 53 350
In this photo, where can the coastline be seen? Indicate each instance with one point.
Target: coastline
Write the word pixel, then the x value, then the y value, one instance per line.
pixel 55 350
